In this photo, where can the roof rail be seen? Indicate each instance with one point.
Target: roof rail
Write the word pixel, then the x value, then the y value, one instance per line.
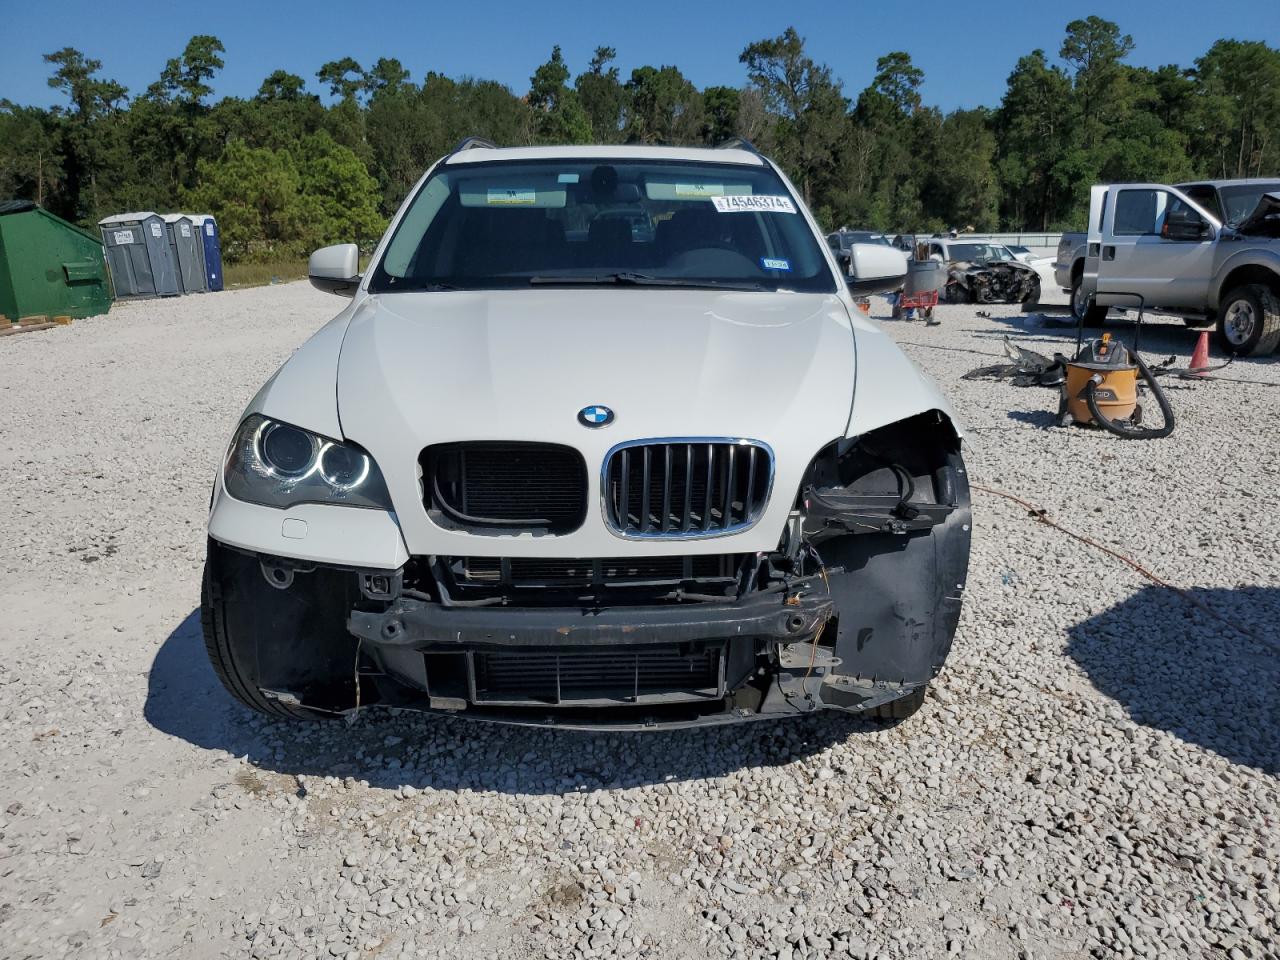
pixel 471 143
pixel 737 143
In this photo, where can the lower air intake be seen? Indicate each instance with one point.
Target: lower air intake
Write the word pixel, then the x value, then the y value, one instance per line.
pixel 598 677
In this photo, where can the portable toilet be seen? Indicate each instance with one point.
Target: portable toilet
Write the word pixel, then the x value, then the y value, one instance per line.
pixel 188 250
pixel 212 249
pixel 138 253
pixel 49 267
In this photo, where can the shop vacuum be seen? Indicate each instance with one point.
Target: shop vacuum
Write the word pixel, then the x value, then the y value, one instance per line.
pixel 1102 386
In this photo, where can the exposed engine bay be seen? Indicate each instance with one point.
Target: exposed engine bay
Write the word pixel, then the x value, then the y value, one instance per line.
pixel 1006 281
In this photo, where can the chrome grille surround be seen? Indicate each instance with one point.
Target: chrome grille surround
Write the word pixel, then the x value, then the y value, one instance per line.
pixel 731 494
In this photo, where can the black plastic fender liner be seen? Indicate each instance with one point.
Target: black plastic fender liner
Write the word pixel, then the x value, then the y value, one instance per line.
pixel 898 596
pixel 293 639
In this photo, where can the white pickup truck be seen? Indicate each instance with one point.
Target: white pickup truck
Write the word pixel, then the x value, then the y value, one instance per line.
pixel 1209 252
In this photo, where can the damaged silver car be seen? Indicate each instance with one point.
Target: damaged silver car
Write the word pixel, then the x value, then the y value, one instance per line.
pixel 982 272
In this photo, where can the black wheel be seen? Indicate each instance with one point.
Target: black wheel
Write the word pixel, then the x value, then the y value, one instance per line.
pixel 1249 320
pixel 901 708
pixel 957 294
pixel 1082 306
pixel 1033 295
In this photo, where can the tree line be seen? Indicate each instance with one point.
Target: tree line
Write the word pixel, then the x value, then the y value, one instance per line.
pixel 285 172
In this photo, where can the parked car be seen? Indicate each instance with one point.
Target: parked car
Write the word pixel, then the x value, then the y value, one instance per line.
pixel 979 271
pixel 1161 244
pixel 598 481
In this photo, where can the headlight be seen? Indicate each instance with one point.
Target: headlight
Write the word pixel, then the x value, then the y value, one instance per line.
pixel 278 465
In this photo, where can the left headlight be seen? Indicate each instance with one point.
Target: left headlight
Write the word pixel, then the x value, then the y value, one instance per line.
pixel 279 465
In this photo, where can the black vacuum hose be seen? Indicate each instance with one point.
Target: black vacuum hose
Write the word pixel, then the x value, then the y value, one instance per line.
pixel 1133 433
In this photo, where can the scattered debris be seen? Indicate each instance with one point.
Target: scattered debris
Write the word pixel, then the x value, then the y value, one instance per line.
pixel 1027 369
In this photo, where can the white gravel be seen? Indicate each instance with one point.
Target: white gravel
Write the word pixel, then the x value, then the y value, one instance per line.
pixel 1094 775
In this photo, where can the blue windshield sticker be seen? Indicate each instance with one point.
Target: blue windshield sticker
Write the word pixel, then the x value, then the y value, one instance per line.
pixel 770 263
pixel 567 178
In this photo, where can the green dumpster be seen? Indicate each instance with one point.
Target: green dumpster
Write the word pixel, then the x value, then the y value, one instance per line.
pixel 49 267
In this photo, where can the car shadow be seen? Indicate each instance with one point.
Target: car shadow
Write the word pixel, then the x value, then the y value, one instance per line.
pixel 1174 667
pixel 391 748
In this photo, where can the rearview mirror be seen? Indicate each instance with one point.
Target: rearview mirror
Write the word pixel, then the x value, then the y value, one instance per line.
pixel 335 269
pixel 875 268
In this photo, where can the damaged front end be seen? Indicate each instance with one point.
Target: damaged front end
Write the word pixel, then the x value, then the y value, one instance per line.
pixel 855 609
pixel 996 282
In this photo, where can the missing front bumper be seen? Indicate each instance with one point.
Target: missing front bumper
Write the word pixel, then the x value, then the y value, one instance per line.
pixel 704 655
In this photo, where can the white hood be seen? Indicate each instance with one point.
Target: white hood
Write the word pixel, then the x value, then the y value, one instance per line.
pixel 423 368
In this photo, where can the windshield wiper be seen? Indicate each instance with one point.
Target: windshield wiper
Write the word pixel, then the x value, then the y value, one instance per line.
pixel 625 278
pixel 413 286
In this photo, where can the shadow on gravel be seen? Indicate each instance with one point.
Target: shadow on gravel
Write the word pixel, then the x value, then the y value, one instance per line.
pixel 185 700
pixel 1173 667
pixel 1041 419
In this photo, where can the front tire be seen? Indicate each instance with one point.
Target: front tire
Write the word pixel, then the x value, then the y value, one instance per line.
pixel 1083 308
pixel 958 294
pixel 1249 321
pixel 1033 295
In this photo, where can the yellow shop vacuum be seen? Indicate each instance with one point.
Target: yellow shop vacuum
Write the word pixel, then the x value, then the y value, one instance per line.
pixel 1102 387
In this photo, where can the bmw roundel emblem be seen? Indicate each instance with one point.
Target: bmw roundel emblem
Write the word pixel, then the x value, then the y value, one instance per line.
pixel 595 416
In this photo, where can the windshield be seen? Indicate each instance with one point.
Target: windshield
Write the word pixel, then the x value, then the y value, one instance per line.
pixel 510 224
pixel 978 252
pixel 1242 200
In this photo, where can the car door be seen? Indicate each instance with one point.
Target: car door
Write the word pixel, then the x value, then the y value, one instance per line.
pixel 1156 243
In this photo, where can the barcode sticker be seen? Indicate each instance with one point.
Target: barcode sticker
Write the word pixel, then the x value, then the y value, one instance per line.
pixel 754 204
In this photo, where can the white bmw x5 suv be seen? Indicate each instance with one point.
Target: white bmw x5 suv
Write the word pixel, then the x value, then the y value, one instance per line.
pixel 600 441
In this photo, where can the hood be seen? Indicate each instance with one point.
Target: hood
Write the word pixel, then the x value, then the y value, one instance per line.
pixel 1264 221
pixel 424 368
pixel 969 266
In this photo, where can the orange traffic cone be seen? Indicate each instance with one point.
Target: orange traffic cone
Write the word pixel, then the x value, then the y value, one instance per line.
pixel 1200 358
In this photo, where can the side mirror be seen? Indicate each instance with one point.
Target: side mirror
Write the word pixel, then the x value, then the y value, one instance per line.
pixel 1187 228
pixel 335 269
pixel 875 268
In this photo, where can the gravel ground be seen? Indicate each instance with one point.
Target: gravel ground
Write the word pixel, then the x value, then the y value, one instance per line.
pixel 1095 773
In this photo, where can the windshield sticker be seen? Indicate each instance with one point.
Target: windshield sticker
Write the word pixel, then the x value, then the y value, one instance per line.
pixel 567 178
pixel 759 204
pixel 516 196
pixel 771 263
pixel 688 191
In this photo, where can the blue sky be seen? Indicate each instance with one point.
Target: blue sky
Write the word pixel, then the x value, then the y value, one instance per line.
pixel 966 50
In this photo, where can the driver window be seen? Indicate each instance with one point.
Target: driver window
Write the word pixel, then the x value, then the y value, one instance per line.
pixel 1207 197
pixel 1140 213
